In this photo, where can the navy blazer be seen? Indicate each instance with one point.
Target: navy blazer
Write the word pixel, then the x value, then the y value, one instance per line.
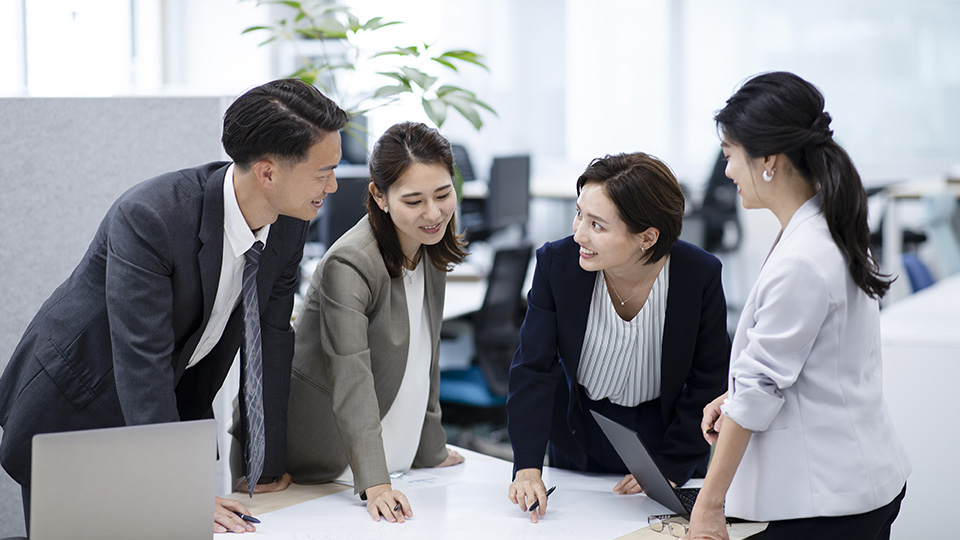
pixel 111 345
pixel 544 402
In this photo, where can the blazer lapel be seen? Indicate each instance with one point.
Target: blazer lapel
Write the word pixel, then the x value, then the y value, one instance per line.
pixel 210 256
pixel 573 309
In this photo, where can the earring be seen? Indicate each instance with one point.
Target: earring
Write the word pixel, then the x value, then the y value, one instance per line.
pixel 768 176
pixel 386 209
pixel 643 249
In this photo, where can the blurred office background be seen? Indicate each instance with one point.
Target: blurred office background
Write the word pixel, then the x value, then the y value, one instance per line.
pixel 570 80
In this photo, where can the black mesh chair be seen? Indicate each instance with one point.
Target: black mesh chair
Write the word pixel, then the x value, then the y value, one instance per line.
pixel 496 335
pixel 721 226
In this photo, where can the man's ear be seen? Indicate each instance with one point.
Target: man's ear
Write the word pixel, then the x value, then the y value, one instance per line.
pixel 264 171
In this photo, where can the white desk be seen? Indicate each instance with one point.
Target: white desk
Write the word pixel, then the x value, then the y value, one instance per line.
pixel 465 502
pixel 921 359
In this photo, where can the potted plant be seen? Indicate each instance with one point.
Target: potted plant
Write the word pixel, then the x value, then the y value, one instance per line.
pixel 334 35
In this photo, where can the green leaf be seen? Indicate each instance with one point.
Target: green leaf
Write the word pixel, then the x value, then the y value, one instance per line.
pixel 436 110
pixel 465 108
pixel 353 23
pixel 390 90
pixel 465 56
pixel 479 103
pixel 255 28
pixel 399 51
pixel 294 5
pixel 377 22
pixel 397 77
pixel 446 89
pixel 445 63
pixel 420 78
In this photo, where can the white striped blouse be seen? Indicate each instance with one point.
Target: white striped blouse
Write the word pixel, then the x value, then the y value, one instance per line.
pixel 620 360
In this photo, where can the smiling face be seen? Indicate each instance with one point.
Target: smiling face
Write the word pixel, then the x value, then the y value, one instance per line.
pixel 421 203
pixel 745 172
pixel 300 188
pixel 605 243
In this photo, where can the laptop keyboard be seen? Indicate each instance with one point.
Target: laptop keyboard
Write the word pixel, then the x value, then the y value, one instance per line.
pixel 687 497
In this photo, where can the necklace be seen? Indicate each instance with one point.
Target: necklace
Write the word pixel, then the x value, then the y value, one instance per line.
pixel 622 301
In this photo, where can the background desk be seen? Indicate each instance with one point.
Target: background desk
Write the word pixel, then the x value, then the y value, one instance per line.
pixel 466 502
pixel 921 359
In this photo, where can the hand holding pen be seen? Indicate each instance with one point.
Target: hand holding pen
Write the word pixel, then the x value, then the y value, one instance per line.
pixel 529 493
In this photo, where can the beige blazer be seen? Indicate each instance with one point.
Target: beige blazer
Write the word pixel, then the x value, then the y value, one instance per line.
pixel 352 337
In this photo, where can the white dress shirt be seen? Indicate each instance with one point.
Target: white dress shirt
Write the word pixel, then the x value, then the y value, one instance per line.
pixel 805 377
pixel 237 239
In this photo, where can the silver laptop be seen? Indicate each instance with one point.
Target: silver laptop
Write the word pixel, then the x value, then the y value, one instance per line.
pixel 643 467
pixel 146 482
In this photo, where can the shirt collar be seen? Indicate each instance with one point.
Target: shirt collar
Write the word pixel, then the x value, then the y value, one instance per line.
pixel 238 233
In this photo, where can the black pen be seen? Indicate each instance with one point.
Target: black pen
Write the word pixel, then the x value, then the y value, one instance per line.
pixel 245 517
pixel 536 503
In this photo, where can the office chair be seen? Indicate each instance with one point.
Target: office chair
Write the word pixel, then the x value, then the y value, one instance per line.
pixel 938 216
pixel 496 335
pixel 718 211
pixel 461 160
pixel 917 272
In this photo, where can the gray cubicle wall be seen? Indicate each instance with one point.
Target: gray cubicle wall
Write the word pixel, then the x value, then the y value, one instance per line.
pixel 63 161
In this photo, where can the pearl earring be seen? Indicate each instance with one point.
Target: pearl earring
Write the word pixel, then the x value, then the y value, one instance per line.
pixel 386 209
pixel 768 176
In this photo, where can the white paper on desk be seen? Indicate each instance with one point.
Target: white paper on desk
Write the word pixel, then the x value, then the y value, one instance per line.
pixel 472 504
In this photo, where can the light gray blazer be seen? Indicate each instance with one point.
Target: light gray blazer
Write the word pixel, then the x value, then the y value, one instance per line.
pixel 352 338
pixel 806 378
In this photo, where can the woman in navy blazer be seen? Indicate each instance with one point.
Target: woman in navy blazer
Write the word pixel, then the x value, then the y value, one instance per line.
pixel 629 215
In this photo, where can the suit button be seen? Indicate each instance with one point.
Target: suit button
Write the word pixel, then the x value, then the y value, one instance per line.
pixel 573 432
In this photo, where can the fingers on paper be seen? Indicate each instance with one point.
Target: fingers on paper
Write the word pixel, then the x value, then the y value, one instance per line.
pixel 392 505
pixel 225 518
pixel 628 485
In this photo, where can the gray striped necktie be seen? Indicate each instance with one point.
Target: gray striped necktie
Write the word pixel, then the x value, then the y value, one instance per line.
pixel 252 367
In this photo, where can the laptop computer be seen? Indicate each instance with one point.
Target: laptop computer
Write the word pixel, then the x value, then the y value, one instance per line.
pixel 643 467
pixel 147 482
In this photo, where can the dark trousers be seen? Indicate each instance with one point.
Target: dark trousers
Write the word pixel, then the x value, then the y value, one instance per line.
pixel 645 419
pixel 873 525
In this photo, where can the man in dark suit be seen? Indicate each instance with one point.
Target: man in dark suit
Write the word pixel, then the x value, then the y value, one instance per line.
pixel 146 327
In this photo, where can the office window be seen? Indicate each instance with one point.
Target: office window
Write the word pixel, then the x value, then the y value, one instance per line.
pixel 77 47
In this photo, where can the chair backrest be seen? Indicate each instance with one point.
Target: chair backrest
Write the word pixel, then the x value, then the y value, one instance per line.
pixel 461 160
pixel 497 324
pixel 917 272
pixel 719 211
pixel 939 210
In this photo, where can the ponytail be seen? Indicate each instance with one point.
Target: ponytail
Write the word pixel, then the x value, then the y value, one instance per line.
pixel 845 208
pixel 780 113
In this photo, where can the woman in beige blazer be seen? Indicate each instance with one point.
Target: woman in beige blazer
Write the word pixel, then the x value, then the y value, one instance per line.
pixel 364 396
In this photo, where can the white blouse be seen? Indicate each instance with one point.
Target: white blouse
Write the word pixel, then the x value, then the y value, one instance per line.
pixel 620 360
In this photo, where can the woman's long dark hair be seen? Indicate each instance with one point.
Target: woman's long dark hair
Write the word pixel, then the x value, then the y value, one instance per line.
pixel 780 113
pixel 398 148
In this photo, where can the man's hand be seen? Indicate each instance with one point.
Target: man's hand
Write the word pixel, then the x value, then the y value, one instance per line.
pixel 225 518
pixel 279 485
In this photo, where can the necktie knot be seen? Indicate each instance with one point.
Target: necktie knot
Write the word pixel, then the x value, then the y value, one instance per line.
pixel 252 255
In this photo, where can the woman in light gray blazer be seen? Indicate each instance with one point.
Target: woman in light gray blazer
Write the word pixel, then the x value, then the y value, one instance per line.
pixel 364 396
pixel 805 441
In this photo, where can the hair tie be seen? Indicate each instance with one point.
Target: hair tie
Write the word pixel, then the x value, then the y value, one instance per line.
pixel 820 132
